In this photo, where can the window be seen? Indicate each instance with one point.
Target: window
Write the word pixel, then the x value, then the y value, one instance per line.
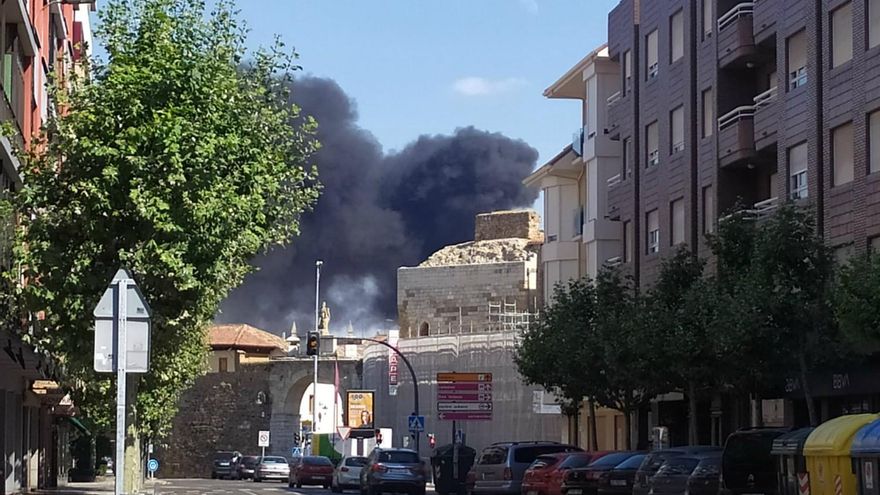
pixel 627 71
pixel 797 171
pixel 676 34
pixel 708 113
pixel 843 253
pixel 873 23
pixel 223 365
pixel 652 58
pixel 652 241
pixel 797 60
pixel 874 244
pixel 841 35
pixel 653 147
pixel 708 18
pixel 874 142
pixel 677 129
pixel 627 241
pixel 708 210
pixel 625 158
pixel 676 220
pixel 842 154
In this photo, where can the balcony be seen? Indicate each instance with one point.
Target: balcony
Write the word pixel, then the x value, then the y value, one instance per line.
pixel 764 19
pixel 736 136
pixel 736 40
pixel 616 112
pixel 759 211
pixel 766 115
pixel 577 219
pixel 12 81
pixel 613 181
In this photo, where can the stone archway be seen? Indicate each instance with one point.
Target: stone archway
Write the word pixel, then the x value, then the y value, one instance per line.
pixel 289 380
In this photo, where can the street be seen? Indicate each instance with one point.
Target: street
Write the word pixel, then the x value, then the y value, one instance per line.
pixel 205 486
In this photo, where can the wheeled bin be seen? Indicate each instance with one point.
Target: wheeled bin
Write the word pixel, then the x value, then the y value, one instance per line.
pixel 791 466
pixel 866 457
pixel 443 464
pixel 827 451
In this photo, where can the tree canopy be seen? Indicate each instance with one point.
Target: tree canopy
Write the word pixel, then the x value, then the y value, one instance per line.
pixel 175 159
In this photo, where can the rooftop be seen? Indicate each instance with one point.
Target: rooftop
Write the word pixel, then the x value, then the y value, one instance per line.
pixel 242 336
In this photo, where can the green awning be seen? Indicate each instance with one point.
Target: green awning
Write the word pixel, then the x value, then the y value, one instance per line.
pixel 79 426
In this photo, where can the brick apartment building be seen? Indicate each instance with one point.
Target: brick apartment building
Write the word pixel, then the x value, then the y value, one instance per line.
pixel 723 102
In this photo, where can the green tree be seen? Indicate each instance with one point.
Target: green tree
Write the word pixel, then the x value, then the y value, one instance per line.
pixel 857 303
pixel 180 163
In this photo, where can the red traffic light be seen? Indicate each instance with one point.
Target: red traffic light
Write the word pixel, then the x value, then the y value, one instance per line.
pixel 432 440
pixel 313 344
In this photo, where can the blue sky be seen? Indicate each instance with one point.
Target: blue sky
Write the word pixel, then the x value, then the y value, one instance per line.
pixel 417 67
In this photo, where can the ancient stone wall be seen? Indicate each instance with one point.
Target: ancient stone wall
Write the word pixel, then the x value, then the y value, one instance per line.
pixel 522 224
pixel 219 412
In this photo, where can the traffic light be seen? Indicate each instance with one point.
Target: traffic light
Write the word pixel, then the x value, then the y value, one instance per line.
pixel 297 438
pixel 313 344
pixel 432 440
pixel 378 437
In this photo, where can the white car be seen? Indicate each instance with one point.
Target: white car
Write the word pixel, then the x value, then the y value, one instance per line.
pixel 271 468
pixel 347 474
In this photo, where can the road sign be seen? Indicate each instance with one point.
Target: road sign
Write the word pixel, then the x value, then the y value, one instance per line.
pixel 296 452
pixel 263 438
pixel 465 416
pixel 343 431
pixel 153 465
pixel 416 424
pixel 464 377
pixel 464 396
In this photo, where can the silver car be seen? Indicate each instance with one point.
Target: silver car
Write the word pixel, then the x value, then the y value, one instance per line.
pixel 347 474
pixel 271 468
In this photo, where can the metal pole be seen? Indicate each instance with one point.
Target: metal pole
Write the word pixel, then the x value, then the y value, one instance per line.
pixel 121 288
pixel 315 377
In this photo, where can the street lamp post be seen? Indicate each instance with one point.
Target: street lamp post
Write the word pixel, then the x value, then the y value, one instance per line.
pixel 315 357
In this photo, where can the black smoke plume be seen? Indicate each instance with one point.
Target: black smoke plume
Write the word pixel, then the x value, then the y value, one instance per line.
pixel 377 212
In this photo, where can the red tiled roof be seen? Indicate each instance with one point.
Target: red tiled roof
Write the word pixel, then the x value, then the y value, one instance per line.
pixel 241 336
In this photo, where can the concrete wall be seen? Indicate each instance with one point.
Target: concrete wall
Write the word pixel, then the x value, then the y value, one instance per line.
pixel 514 418
pixel 231 357
pixel 441 298
pixel 520 224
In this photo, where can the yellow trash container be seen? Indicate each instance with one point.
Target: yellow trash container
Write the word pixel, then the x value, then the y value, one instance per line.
pixel 827 451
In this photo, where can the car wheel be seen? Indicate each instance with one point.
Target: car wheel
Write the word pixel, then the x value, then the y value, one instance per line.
pixel 257 480
pixel 335 488
pixel 213 475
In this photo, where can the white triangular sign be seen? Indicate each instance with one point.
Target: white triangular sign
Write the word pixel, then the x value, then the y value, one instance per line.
pixel 343 431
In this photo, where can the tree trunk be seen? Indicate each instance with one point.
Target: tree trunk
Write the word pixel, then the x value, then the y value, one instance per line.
pixel 693 434
pixel 594 430
pixel 577 426
pixel 811 407
pixel 627 422
pixel 757 412
pixel 133 468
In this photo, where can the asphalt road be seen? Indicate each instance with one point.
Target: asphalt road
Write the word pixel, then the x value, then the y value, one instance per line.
pixel 230 487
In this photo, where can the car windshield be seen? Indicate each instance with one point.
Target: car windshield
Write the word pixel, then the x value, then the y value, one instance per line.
pixel 611 460
pixel 273 460
pixel 678 466
pixel 493 455
pixel 544 461
pixel 527 455
pixel 576 461
pixel 653 462
pixel 632 463
pixel 356 461
pixel 223 456
pixel 317 461
pixel 708 468
pixel 398 457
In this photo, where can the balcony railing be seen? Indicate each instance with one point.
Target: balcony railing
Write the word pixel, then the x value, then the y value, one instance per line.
pixel 614 98
pixel 758 211
pixel 13 85
pixel 577 142
pixel 739 10
pixel 613 181
pixel 765 98
pixel 732 117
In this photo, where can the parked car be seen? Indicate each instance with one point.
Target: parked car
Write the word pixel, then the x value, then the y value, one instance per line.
pixel 706 479
pixel 585 481
pixel 347 473
pixel 544 476
pixel 747 465
pixel 243 467
pixel 672 477
pixel 393 470
pixel 655 459
pixel 620 479
pixel 500 468
pixel 271 468
pixel 221 464
pixel 311 470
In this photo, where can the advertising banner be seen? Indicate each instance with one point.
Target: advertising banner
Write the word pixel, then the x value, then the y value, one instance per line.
pixel 359 409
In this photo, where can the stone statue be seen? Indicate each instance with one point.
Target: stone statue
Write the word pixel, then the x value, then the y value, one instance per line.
pixel 324 324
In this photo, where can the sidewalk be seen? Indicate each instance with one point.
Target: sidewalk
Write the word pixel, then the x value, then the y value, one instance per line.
pixel 100 487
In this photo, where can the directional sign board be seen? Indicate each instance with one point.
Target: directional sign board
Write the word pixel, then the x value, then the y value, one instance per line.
pixel 416 424
pixel 263 438
pixel 464 396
